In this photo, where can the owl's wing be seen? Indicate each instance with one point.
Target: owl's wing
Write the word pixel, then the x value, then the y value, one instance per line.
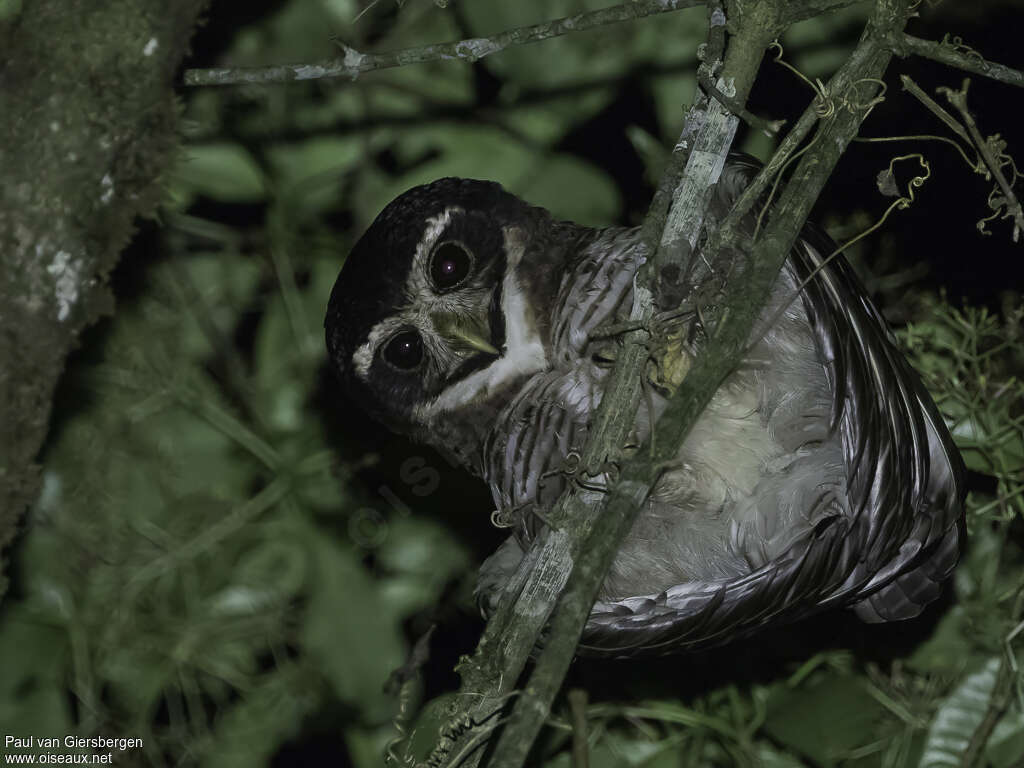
pixel 906 475
pixel 904 528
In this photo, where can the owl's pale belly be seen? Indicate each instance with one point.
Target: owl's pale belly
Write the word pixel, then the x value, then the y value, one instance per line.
pixel 759 467
pixel 737 497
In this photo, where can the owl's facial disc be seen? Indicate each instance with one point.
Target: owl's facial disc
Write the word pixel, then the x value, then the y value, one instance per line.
pixel 430 314
pixel 513 330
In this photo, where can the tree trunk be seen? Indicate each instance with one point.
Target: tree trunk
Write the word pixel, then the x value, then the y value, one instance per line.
pixel 88 127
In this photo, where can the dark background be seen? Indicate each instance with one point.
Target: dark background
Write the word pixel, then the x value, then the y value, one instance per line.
pixel 148 598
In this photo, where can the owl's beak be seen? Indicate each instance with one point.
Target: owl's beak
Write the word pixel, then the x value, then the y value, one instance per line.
pixel 466 331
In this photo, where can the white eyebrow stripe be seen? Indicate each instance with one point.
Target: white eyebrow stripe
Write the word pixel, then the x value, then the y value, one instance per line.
pixel 362 358
pixel 416 284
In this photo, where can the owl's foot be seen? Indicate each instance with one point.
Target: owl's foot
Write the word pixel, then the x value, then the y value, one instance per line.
pixel 669 344
pixel 669 361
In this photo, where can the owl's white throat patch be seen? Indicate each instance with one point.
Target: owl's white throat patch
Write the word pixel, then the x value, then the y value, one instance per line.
pixel 522 355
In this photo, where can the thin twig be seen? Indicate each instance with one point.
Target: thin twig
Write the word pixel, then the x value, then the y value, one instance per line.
pixel 354 63
pixel 808 9
pixel 746 297
pixel 1012 205
pixel 999 701
pixel 580 731
pixel 711 129
pixel 768 127
pixel 932 106
pixel 582 537
pixel 711 60
pixel 530 596
pixel 947 53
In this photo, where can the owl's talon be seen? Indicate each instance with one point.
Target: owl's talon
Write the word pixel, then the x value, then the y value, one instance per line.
pixel 669 362
pixel 608 330
pixel 605 356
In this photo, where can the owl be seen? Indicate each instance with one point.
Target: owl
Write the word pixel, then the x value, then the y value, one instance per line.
pixel 819 475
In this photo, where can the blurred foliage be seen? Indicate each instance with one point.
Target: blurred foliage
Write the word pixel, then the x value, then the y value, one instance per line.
pixel 206 568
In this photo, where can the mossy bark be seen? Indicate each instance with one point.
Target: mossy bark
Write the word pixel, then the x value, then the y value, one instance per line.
pixel 88 126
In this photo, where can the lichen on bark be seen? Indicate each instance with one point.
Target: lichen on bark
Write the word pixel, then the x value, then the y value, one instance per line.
pixel 88 129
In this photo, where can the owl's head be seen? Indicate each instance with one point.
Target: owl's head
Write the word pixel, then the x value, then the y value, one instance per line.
pixel 435 313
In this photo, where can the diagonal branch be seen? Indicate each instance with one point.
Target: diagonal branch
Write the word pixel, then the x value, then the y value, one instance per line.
pixel 744 299
pixel 670 232
pixel 581 538
pixel 90 126
pixel 1009 202
pixel 355 63
pixel 948 53
pixel 581 541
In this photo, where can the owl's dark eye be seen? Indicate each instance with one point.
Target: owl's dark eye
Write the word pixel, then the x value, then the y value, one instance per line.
pixel 449 266
pixel 404 351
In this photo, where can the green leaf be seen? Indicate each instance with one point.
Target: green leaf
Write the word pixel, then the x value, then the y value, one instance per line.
pixel 351 631
pixel 1007 742
pixel 222 171
pixel 958 717
pixel 250 732
pixel 281 389
pixel 422 557
pixel 671 93
pixel 825 719
pixel 654 155
pixel 308 175
pixel 423 735
pixel 811 47
pixel 948 650
pixel 572 189
pixel 568 187
pixel 770 757
pixel 366 746
pixel 9 10
pixel 33 699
